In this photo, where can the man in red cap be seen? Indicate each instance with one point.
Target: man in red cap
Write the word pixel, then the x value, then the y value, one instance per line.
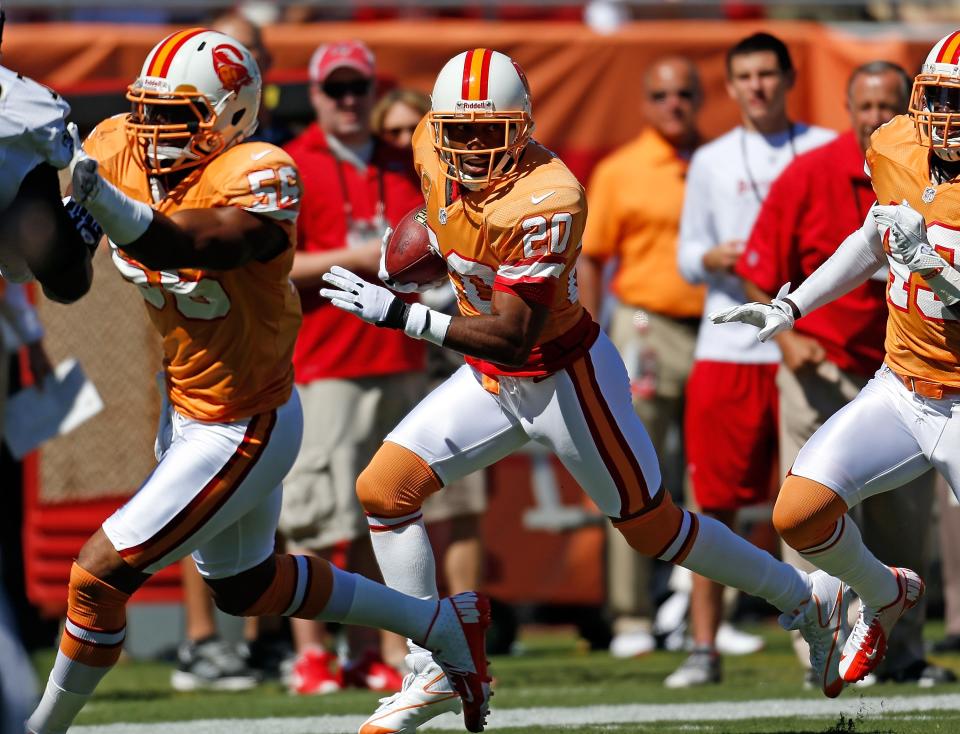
pixel 355 381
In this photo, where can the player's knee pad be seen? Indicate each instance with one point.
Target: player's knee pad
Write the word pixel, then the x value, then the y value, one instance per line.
pixel 395 482
pixel 656 530
pixel 96 620
pixel 806 512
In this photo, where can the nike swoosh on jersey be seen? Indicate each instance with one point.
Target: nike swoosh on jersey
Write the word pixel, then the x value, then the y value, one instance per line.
pixel 538 199
pixel 258 155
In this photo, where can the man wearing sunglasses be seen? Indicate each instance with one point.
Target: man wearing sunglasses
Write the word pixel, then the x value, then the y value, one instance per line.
pixel 636 220
pixel 355 381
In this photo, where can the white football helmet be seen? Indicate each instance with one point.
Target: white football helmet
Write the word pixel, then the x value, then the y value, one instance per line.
pixel 481 87
pixel 935 100
pixel 198 93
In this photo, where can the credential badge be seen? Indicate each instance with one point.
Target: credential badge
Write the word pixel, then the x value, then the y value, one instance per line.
pixel 928 194
pixel 442 216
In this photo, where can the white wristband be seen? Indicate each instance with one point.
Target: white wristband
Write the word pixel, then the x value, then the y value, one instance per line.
pixel 425 323
pixel 122 218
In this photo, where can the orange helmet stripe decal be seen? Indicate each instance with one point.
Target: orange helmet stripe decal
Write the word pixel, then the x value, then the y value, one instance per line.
pixel 160 63
pixel 950 53
pixel 476 74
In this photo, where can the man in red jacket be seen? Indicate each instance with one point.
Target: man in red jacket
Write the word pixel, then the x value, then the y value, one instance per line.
pixel 355 380
pixel 831 353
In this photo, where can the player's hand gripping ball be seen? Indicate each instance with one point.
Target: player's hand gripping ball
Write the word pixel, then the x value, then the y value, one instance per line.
pixel 408 261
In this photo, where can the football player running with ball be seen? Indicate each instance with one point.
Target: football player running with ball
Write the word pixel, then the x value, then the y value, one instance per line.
pixel 507 216
pixel 205 225
pixel 904 421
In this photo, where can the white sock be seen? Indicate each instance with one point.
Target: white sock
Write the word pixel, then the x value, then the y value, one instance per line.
pixel 405 556
pixel 723 556
pixel 845 556
pixel 69 686
pixel 357 600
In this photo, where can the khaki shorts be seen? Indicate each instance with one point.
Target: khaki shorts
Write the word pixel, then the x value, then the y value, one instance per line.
pixel 465 496
pixel 345 422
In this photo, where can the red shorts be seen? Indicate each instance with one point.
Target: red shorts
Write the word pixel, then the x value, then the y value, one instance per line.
pixel 730 432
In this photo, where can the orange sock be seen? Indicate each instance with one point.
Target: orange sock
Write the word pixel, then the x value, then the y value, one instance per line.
pixel 300 588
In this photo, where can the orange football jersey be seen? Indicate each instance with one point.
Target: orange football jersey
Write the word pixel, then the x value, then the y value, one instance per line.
pixel 922 333
pixel 228 335
pixel 520 235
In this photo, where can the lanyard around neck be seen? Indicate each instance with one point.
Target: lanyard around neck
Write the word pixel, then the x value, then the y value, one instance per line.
pixel 746 159
pixel 381 205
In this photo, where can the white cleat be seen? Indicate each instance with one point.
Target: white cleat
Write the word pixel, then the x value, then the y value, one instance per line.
pixel 822 621
pixel 424 695
pixel 457 638
pixel 867 644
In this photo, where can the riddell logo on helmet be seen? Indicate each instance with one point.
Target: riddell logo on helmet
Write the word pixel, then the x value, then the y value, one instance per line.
pixel 228 63
pixel 155 83
pixel 465 105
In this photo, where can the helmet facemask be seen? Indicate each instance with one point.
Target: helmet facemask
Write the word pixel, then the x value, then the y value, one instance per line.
pixel 172 131
pixel 935 110
pixel 502 137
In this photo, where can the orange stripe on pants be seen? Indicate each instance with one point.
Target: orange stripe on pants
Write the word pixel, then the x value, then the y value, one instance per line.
pixel 209 499
pixel 611 444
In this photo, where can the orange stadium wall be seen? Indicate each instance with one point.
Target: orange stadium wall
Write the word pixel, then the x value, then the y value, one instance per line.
pixel 586 98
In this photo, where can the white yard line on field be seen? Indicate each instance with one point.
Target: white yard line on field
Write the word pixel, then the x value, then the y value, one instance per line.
pixel 559 717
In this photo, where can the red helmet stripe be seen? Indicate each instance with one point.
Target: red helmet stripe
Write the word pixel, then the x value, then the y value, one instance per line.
pixel 485 73
pixel 476 71
pixel 950 51
pixel 465 84
pixel 159 65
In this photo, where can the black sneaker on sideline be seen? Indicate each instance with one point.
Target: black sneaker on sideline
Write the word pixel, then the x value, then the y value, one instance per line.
pixel 950 643
pixel 212 665
pixel 922 672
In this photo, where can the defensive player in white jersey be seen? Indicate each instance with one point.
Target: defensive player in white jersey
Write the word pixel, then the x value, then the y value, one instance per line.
pixel 507 217
pixel 204 224
pixel 905 420
pixel 40 237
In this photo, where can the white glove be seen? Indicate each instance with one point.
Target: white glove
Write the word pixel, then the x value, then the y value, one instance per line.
pixel 372 303
pixel 908 237
pixel 84 171
pixel 773 317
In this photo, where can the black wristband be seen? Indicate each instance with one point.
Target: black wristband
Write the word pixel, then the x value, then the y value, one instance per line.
pixel 793 308
pixel 397 314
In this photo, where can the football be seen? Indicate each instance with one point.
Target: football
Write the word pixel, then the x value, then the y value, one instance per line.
pixel 408 257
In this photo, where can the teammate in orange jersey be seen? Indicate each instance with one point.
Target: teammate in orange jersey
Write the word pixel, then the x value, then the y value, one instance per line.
pixel 204 225
pixel 901 424
pixel 507 216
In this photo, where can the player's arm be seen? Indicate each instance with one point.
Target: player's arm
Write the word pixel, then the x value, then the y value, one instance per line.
pixel 50 240
pixel 218 238
pixel 854 261
pixel 505 335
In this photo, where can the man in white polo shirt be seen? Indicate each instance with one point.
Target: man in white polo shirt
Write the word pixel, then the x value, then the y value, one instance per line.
pixel 731 418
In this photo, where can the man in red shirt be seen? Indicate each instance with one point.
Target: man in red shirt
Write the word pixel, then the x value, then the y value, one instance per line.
pixel 355 381
pixel 831 353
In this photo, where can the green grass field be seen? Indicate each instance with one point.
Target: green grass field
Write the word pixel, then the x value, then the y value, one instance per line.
pixel 554 685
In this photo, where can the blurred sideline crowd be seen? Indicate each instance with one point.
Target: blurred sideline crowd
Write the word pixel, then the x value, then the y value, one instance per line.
pixel 671 235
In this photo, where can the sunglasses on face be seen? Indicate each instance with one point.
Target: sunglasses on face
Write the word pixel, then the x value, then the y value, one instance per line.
pixel 684 94
pixel 339 90
pixel 396 132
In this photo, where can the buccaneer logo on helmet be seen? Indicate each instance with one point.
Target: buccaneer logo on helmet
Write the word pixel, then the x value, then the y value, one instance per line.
pixel 480 116
pixel 935 100
pixel 228 63
pixel 198 93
